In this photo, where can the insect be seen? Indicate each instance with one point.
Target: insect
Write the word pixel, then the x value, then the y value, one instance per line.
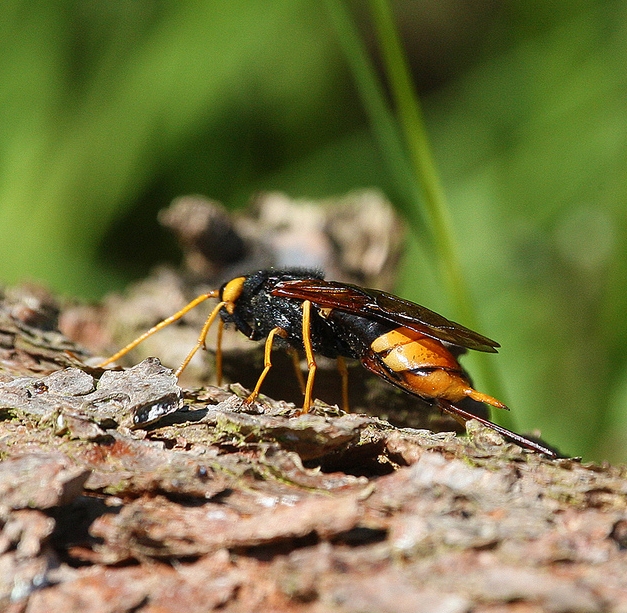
pixel 402 342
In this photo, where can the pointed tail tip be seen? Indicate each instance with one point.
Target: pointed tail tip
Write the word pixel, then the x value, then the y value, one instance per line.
pixel 481 397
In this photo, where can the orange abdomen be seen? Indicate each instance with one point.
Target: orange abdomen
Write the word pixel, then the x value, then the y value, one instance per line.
pixel 421 365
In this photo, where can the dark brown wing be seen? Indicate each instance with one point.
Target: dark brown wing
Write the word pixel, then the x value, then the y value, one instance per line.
pixel 382 306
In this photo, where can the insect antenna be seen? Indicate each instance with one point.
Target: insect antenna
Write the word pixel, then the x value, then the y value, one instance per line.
pixel 169 320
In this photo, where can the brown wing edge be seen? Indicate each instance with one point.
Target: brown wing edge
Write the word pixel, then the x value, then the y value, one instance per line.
pixel 386 307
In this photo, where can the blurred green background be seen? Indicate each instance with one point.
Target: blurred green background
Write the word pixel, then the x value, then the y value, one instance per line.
pixel 109 109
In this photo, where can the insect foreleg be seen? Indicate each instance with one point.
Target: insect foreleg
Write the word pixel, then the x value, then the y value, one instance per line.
pixel 200 343
pixel 267 361
pixel 219 352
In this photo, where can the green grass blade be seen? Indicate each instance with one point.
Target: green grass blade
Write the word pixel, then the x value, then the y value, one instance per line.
pixel 382 121
pixel 409 155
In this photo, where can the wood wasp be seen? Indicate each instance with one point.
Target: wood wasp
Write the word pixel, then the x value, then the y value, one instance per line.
pixel 402 342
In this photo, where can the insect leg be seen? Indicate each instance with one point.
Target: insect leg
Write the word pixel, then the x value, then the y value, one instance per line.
pixel 341 367
pixel 297 371
pixel 203 336
pixel 311 361
pixel 219 353
pixel 159 326
pixel 267 361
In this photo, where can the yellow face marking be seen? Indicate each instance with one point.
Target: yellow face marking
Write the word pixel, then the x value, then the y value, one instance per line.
pixel 231 292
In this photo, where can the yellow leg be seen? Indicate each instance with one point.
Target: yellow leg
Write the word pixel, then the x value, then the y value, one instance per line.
pixel 200 343
pixel 267 361
pixel 341 366
pixel 311 362
pixel 219 353
pixel 297 371
pixel 159 326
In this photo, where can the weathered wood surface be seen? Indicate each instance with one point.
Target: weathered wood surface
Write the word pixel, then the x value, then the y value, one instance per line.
pixel 221 505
